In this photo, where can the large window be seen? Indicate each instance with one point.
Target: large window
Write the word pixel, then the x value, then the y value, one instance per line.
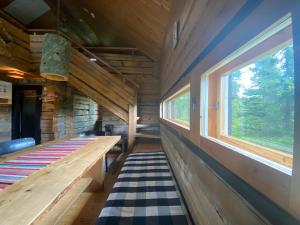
pixel 177 107
pixel 250 100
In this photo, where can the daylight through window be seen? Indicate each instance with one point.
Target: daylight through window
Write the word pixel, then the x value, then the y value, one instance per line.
pixel 177 107
pixel 250 100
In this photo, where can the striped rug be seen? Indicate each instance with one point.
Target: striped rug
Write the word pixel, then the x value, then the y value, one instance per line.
pixel 16 169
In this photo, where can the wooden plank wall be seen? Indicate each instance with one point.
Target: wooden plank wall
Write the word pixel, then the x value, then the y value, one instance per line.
pixel 206 36
pixel 5 122
pixel 143 71
pixel 209 198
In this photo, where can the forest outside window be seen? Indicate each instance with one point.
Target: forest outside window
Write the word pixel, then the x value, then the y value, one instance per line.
pixel 177 107
pixel 250 100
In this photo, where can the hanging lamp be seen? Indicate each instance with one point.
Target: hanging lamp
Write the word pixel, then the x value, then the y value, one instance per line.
pixel 55 55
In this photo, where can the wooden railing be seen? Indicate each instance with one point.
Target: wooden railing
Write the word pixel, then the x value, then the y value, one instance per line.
pixel 89 54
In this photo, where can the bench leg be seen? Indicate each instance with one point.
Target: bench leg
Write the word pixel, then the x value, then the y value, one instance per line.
pixel 97 173
pixel 106 163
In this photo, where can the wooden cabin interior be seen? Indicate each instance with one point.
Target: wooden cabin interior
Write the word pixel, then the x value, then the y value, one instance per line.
pixel 150 112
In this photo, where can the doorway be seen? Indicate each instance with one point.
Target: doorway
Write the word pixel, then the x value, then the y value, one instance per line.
pixel 26 112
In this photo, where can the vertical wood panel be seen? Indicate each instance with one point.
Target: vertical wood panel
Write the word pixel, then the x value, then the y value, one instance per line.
pixel 132 114
pixel 195 109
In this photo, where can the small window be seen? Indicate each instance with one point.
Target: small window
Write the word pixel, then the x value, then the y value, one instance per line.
pixel 177 107
pixel 250 100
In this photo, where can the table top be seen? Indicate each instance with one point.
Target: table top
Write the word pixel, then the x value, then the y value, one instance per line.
pixel 25 201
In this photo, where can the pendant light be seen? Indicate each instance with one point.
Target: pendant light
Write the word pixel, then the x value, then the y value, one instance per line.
pixel 55 55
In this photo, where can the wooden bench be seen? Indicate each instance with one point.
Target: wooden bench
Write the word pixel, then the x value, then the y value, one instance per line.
pixel 44 196
pixel 145 193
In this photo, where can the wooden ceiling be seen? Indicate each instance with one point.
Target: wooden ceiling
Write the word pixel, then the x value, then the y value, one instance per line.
pixel 117 23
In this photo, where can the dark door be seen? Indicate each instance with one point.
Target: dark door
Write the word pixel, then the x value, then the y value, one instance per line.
pixel 26 112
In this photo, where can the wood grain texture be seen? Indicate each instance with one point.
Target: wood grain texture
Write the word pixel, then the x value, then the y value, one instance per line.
pixel 205 40
pixel 44 188
pixel 194 35
pixel 210 199
pixel 54 215
pixel 68 115
pixel 105 88
pixel 142 70
pixel 126 23
pixel 17 44
pixel 96 96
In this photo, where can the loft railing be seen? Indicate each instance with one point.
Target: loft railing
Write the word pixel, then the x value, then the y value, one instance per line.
pixel 89 53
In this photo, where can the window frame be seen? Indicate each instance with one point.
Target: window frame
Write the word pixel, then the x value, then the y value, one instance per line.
pixel 258 172
pixel 212 121
pixel 166 112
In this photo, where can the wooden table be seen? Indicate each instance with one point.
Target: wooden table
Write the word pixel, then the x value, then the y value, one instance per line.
pixel 43 197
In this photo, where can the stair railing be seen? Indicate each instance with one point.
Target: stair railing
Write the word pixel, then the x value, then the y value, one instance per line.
pixel 91 54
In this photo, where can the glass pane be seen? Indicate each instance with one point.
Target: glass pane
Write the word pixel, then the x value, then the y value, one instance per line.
pixel 180 108
pixel 261 101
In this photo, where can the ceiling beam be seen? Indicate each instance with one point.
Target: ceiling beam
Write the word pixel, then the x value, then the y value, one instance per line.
pixel 4 3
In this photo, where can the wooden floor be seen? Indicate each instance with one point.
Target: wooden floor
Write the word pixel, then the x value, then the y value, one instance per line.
pixel 148 146
pixel 89 205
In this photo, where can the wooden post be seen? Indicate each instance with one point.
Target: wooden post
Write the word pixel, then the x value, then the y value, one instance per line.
pixel 195 109
pixel 132 117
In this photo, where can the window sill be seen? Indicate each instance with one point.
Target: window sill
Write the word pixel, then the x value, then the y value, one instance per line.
pixel 276 156
pixel 274 165
pixel 178 123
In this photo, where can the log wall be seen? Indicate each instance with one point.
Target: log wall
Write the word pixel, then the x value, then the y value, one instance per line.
pixel 68 115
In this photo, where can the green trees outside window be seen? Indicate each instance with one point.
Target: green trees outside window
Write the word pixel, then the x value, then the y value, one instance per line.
pixel 261 101
pixel 180 108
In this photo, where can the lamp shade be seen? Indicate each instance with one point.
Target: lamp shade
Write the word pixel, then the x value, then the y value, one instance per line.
pixel 55 58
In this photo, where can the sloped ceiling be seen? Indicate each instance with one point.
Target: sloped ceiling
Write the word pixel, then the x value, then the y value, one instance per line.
pixel 112 23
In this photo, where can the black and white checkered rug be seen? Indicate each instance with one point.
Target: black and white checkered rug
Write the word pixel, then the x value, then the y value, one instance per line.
pixel 144 194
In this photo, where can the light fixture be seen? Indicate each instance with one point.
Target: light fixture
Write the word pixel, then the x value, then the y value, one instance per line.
pixel 93 59
pixel 16 74
pixel 55 55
